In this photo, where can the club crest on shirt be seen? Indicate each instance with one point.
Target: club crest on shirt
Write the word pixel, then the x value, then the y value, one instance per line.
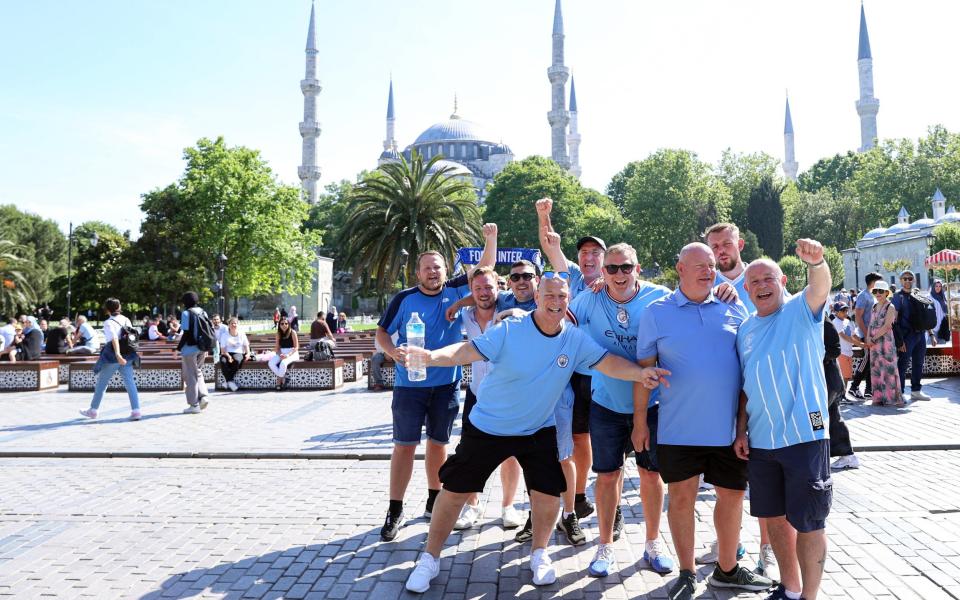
pixel 748 343
pixel 562 361
pixel 622 316
pixel 816 420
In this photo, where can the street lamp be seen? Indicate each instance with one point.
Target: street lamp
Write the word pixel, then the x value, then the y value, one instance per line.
pixel 929 271
pixel 94 240
pixel 856 268
pixel 403 269
pixel 222 264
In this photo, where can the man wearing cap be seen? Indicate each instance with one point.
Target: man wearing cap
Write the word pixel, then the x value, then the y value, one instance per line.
pixel 862 314
pixel 914 345
pixel 587 269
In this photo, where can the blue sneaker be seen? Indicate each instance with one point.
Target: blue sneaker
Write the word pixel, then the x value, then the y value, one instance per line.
pixel 602 561
pixel 658 560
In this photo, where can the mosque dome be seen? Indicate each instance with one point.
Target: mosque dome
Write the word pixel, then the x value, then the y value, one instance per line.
pixel 390 154
pixel 921 223
pixel 951 217
pixel 454 129
pixel 501 148
pixel 456 169
pixel 897 228
pixel 873 233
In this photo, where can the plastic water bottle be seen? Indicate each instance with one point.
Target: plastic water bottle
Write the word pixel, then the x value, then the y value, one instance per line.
pixel 416 332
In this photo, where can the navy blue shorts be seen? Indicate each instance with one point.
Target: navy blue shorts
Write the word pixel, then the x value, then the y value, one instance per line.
pixel 415 407
pixel 610 441
pixel 793 481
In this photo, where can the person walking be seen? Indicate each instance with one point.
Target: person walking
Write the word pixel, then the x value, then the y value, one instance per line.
pixel 884 375
pixel 286 350
pixel 112 360
pixel 191 357
pixel 912 342
pixel 234 349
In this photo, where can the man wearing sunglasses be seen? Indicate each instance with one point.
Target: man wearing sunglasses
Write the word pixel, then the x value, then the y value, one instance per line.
pixel 612 317
pixel 914 343
pixel 533 357
pixel 522 281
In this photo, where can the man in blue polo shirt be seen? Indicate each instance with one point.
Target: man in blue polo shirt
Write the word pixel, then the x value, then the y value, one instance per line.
pixel 435 401
pixel 612 318
pixel 693 334
pixel 783 420
pixel 533 358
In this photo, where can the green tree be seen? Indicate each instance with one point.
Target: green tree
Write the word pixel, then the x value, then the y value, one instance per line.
pixel 617 188
pixel 896 266
pixel 515 190
pixel 16 293
pixel 743 173
pixel 328 216
pixel 671 198
pixel 765 216
pixel 946 236
pixel 835 262
pixel 98 270
pixel 229 201
pixel 830 174
pixel 751 247
pixel 41 247
pixel 795 271
pixel 408 207
pixel 832 220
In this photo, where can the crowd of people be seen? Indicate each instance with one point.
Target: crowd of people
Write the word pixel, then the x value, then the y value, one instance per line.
pixel 728 381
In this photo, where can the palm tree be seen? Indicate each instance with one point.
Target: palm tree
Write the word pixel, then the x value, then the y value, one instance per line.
pixel 403 209
pixel 16 293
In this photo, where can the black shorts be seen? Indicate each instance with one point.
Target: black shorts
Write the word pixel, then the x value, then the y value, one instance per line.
pixel 469 401
pixel 479 454
pixel 718 464
pixel 793 481
pixel 582 397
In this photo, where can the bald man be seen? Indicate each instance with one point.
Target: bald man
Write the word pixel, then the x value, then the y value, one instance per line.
pixel 783 421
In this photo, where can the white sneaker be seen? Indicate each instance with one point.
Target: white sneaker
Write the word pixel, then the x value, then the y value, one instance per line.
pixel 919 395
pixel 512 518
pixel 423 573
pixel 90 413
pixel 468 516
pixel 193 409
pixel 544 572
pixel 846 462
pixel 767 565
pixel 232 386
pixel 135 415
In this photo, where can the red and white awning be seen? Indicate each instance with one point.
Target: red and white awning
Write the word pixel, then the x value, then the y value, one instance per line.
pixel 943 259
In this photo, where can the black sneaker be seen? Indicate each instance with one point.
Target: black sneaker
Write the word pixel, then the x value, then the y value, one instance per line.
pixel 583 508
pixel 526 534
pixel 391 526
pixel 867 395
pixel 855 393
pixel 742 578
pixel 617 525
pixel 780 593
pixel 684 588
pixel 570 527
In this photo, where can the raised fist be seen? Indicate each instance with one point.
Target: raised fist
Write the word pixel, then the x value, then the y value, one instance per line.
pixel 544 206
pixel 809 251
pixel 489 230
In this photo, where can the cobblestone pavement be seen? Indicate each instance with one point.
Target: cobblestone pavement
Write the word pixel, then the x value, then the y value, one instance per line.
pixel 344 423
pixel 188 528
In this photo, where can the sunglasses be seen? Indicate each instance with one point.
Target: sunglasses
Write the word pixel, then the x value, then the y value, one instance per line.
pixel 906 279
pixel 555 275
pixel 515 277
pixel 624 268
pixel 878 292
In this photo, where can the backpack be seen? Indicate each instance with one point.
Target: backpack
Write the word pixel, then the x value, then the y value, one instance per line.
pixel 202 331
pixel 320 350
pixel 128 338
pixel 923 314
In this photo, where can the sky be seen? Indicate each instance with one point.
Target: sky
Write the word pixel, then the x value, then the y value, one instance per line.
pixel 100 98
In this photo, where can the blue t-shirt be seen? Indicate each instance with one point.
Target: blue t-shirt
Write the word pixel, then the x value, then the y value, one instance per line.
pixel 697 343
pixel 614 326
pixel 577 283
pixel 740 285
pixel 439 331
pixel 865 302
pixel 781 356
pixel 507 300
pixel 531 370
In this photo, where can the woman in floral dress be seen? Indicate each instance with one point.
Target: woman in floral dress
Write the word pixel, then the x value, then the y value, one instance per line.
pixel 883 351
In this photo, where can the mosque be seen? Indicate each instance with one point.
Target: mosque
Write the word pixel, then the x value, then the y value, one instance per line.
pixel 469 149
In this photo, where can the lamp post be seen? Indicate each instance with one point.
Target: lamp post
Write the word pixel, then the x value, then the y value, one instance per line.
pixel 94 240
pixel 403 269
pixel 856 268
pixel 222 265
pixel 929 271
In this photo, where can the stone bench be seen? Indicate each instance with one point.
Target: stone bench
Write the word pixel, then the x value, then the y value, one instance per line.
pixel 938 362
pixel 29 376
pixel 301 375
pixel 64 361
pixel 352 366
pixel 153 375
pixel 388 372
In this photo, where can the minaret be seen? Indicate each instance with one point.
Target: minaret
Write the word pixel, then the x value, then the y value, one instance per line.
pixel 558 117
pixel 308 171
pixel 789 158
pixel 390 143
pixel 573 140
pixel 939 201
pixel 867 105
pixel 903 217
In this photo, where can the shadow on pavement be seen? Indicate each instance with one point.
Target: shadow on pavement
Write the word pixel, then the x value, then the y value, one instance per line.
pixel 83 421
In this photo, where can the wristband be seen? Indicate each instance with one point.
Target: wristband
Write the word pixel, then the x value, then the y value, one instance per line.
pixel 814 265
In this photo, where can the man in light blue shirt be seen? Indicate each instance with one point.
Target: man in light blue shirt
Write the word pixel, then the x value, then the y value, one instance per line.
pixel 693 334
pixel 612 319
pixel 533 358
pixel 782 424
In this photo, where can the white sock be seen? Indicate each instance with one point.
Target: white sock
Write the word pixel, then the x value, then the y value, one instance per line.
pixel 792 595
pixel 566 515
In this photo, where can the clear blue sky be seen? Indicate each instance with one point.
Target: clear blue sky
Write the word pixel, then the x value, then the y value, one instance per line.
pixel 99 98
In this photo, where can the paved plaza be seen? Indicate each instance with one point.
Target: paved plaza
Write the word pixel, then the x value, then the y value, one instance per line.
pixel 115 509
